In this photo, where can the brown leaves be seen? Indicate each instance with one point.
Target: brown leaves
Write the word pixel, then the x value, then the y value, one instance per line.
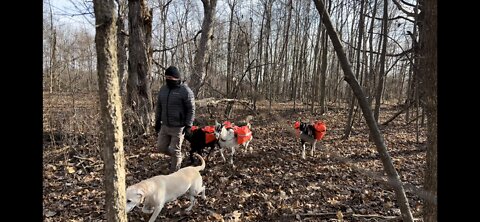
pixel 271 184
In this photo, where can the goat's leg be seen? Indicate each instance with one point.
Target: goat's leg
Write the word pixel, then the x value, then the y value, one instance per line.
pixel 231 156
pixel 303 150
pixel 246 147
pixel 313 148
pixel 221 153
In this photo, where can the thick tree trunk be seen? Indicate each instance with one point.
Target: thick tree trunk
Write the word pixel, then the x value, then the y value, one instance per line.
pixel 393 177
pixel 111 110
pixel 428 61
pixel 138 87
pixel 198 76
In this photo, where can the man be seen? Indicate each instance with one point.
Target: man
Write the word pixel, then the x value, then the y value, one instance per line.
pixel 175 111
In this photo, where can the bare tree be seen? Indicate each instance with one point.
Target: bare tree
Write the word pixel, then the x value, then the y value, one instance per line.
pixel 378 94
pixel 229 48
pixel 198 76
pixel 428 62
pixel 139 96
pixel 230 64
pixel 323 70
pixel 353 101
pixel 393 176
pixel 53 48
pixel 111 106
pixel 122 45
pixel 370 75
pixel 266 67
pixel 285 46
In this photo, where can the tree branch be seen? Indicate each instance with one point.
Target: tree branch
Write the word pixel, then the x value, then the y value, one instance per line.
pixel 411 14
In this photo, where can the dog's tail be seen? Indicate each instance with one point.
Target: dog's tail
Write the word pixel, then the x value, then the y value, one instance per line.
pixel 201 167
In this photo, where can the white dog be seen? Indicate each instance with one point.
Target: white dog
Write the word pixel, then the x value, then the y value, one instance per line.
pixel 152 194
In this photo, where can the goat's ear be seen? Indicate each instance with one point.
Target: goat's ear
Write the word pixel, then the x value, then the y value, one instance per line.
pixel 216 123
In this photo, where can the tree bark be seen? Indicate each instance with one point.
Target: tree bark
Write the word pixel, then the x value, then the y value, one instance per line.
pixel 122 46
pixel 138 87
pixel 378 95
pixel 352 109
pixel 428 60
pixel 53 48
pixel 393 177
pixel 229 82
pixel 266 67
pixel 198 76
pixel 370 77
pixel 316 67
pixel 111 110
pixel 323 74
pixel 229 50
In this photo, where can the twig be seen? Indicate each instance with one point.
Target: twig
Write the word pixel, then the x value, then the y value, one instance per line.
pixel 84 158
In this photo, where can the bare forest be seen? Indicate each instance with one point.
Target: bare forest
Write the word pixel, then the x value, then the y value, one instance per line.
pixel 367 69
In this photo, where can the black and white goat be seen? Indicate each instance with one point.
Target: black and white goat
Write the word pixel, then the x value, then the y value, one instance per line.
pixel 230 136
pixel 199 139
pixel 310 133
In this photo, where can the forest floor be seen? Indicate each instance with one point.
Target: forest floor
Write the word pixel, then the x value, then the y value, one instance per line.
pixel 273 183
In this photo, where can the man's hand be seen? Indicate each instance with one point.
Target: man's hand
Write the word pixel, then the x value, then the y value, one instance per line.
pixel 187 130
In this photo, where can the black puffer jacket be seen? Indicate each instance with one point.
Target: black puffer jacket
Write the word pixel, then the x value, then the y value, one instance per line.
pixel 175 106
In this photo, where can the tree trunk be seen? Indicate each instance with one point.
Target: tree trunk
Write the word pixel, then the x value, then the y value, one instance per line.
pixel 198 76
pixel 229 85
pixel 122 46
pixel 229 50
pixel 258 70
pixel 323 74
pixel 138 87
pixel 285 48
pixel 428 60
pixel 393 177
pixel 378 95
pixel 316 67
pixel 266 67
pixel 53 48
pixel 111 110
pixel 352 108
pixel 370 77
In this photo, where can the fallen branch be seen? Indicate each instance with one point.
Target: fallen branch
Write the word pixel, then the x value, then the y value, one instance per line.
pixel 85 158
pixel 212 102
pixel 405 107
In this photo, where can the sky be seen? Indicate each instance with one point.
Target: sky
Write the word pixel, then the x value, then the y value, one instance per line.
pixel 65 14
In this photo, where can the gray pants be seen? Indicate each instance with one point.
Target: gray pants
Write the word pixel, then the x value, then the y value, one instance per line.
pixel 169 142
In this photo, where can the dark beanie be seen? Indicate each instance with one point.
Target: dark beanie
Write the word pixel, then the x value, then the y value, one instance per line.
pixel 173 71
